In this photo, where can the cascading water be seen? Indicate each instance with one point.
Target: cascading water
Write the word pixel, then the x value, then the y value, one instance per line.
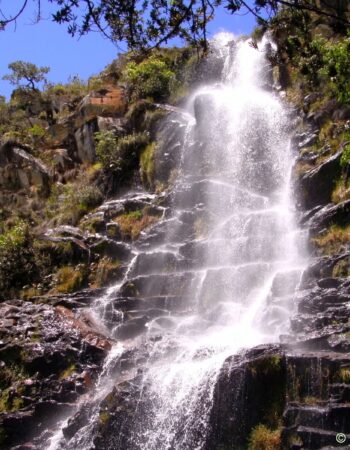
pixel 225 283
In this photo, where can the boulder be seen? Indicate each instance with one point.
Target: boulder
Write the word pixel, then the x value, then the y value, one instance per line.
pixel 322 114
pixel 63 247
pixel 114 124
pixel 78 128
pixel 330 215
pixel 20 170
pixel 255 383
pixel 107 102
pixel 62 160
pixel 316 186
pixel 84 137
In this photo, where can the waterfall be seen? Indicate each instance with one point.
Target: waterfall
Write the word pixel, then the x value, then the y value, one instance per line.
pixel 229 263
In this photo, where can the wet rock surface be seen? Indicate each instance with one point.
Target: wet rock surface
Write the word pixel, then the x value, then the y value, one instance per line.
pixel 49 357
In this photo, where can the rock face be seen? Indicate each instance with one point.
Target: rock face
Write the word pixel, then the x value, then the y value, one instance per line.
pixel 20 170
pixel 316 186
pixel 99 111
pixel 251 386
pixel 84 137
pixel 49 357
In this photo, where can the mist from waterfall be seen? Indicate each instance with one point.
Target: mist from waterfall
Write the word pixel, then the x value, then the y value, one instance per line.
pixel 238 272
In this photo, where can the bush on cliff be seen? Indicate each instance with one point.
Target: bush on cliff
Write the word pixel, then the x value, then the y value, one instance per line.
pixel 119 154
pixel 150 78
pixel 262 438
pixel 336 67
pixel 18 265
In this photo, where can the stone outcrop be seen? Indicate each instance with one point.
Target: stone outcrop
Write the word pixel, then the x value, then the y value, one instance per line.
pixel 317 185
pixel 49 356
pixel 20 170
pixel 99 111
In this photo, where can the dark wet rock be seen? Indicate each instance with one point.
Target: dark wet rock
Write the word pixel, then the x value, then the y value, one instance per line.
pixel 321 115
pixel 154 262
pixel 116 414
pixel 329 282
pixel 305 139
pixel 342 113
pixel 115 250
pixel 170 138
pixel 330 215
pixel 63 247
pixel 250 386
pixel 75 300
pixel 49 358
pixel 322 318
pixel 316 186
pixel 315 438
pixel 157 285
pixel 131 328
pixel 301 385
pixel 76 422
pixel 323 267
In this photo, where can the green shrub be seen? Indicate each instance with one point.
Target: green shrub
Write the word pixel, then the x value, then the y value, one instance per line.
pixel 262 438
pixel 70 279
pixel 69 203
pixel 323 61
pixel 150 78
pixel 17 259
pixel 106 147
pixel 336 66
pixel 147 165
pixel 344 375
pixel 87 197
pixel 106 271
pixel 118 153
pixel 95 83
pixel 132 223
pixel 75 88
pixel 345 157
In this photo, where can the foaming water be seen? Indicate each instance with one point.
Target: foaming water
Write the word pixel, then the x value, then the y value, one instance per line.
pixel 238 153
pixel 239 269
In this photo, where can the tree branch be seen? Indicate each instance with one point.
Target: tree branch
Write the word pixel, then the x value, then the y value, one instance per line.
pixel 308 7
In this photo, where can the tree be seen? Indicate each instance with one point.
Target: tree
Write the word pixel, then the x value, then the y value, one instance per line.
pixel 30 73
pixel 144 24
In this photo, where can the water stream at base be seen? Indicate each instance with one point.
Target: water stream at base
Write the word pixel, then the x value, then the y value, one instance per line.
pixel 239 269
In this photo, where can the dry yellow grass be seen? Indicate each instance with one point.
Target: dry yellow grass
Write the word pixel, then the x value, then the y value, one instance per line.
pixel 262 438
pixel 132 223
pixel 333 240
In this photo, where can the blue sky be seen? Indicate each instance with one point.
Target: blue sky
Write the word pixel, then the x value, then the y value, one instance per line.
pixel 48 44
